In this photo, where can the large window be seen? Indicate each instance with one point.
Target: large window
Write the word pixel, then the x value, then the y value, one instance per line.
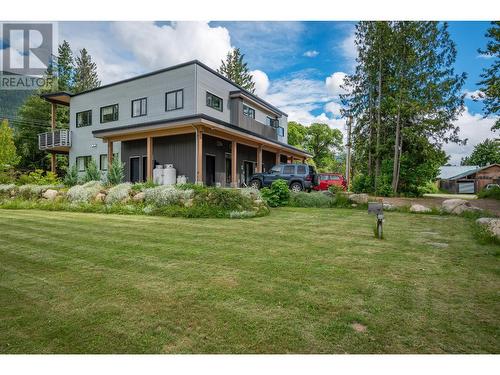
pixel 139 107
pixel 281 131
pixel 109 113
pixel 247 111
pixel 272 122
pixel 82 162
pixel 174 100
pixel 84 118
pixel 214 102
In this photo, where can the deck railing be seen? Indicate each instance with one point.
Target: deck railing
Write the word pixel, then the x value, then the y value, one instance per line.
pixel 55 139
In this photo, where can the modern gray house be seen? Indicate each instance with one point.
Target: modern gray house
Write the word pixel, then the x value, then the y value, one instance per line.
pixel 212 130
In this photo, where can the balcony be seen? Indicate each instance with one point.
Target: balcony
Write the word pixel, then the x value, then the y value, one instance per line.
pixel 57 141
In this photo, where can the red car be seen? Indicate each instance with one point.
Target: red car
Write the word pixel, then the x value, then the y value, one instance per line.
pixel 327 179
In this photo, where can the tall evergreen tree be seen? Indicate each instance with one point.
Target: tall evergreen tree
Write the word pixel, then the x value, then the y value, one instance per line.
pixel 86 76
pixel 236 70
pixel 64 66
pixel 490 83
pixel 404 96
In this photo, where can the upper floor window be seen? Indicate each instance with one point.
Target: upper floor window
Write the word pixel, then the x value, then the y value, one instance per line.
pixel 83 118
pixel 174 100
pixel 139 107
pixel 281 131
pixel 214 102
pixel 247 111
pixel 273 122
pixel 109 113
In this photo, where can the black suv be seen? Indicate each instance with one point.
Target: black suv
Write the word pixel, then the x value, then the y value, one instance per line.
pixel 299 176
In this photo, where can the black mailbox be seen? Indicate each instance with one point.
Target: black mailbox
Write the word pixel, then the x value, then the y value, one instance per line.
pixel 375 208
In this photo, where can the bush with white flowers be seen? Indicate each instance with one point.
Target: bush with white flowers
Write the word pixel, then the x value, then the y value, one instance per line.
pixel 119 193
pixel 167 195
pixel 84 193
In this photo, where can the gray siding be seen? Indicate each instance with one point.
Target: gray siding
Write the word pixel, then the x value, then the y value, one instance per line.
pixel 179 150
pixel 131 149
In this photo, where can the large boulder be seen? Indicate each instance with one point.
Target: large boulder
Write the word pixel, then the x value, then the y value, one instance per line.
pixel 457 206
pixel 359 198
pixel 139 197
pixel 50 194
pixel 491 224
pixel 418 208
pixel 100 197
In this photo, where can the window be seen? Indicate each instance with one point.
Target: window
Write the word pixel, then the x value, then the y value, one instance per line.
pixel 139 107
pixel 83 119
pixel 301 169
pixel 276 169
pixel 103 161
pixel 214 102
pixel 272 122
pixel 109 113
pixel 247 111
pixel 289 169
pixel 174 100
pixel 281 131
pixel 82 162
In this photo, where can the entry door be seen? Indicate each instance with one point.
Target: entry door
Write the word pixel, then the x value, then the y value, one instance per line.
pixel 209 170
pixel 144 168
pixel 135 171
pixel 248 171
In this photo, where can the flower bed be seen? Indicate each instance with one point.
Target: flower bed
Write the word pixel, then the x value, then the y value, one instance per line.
pixel 181 200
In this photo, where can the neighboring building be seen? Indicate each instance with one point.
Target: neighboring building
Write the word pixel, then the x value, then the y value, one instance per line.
pixel 468 179
pixel 211 130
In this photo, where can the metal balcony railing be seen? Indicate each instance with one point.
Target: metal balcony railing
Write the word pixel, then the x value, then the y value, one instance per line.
pixel 56 140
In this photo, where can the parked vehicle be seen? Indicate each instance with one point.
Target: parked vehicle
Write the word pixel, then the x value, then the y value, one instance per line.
pixel 491 186
pixel 325 180
pixel 299 177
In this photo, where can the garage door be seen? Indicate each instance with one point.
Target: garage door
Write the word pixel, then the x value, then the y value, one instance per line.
pixel 466 187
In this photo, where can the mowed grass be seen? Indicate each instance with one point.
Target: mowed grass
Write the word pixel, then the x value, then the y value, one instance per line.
pixel 296 281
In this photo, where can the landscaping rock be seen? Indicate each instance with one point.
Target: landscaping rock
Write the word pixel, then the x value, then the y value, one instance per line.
pixel 418 208
pixel 491 224
pixel 100 197
pixel 139 197
pixel 389 207
pixel 50 194
pixel 359 198
pixel 458 206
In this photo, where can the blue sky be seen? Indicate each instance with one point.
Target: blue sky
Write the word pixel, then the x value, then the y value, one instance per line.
pixel 297 66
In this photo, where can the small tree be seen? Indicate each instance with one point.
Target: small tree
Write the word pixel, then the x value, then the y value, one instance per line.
pixel 8 155
pixel 92 173
pixel 236 70
pixel 115 173
pixel 71 178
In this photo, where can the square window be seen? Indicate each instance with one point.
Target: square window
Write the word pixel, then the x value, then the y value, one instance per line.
pixel 84 118
pixel 174 100
pixel 247 111
pixel 139 107
pixel 109 113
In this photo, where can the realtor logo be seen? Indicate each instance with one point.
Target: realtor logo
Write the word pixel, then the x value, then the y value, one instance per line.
pixel 27 50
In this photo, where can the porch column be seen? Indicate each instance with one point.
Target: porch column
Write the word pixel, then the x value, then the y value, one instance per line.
pixel 234 164
pixel 53 126
pixel 149 154
pixel 259 160
pixel 199 156
pixel 278 158
pixel 110 154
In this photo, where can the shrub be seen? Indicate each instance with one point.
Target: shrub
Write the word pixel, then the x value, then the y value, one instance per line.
pixel 341 200
pixel 84 193
pixel 241 214
pixel 118 193
pixel 334 189
pixel 225 199
pixel 91 173
pixel 277 195
pixel 166 195
pixel 141 186
pixel 493 193
pixel 115 173
pixel 71 178
pixel 8 176
pixel 362 184
pixel 32 191
pixel 7 189
pixel 384 187
pixel 39 177
pixel 428 188
pixel 303 199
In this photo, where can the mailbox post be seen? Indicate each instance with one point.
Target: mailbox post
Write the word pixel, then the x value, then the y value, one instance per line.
pixel 378 210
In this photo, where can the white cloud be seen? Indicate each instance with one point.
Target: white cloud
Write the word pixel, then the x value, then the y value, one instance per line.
pixel 333 108
pixel 156 46
pixel 473 95
pixel 311 53
pixel 473 127
pixel 261 82
pixel 334 83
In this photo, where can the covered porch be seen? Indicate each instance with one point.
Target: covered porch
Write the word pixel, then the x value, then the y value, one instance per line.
pixel 203 151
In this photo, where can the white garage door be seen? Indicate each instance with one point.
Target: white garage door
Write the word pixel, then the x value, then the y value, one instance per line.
pixel 466 187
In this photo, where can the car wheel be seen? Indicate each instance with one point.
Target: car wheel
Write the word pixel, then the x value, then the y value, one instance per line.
pixel 255 184
pixel 296 187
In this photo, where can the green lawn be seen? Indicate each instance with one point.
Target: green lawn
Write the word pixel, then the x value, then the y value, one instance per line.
pixel 293 282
